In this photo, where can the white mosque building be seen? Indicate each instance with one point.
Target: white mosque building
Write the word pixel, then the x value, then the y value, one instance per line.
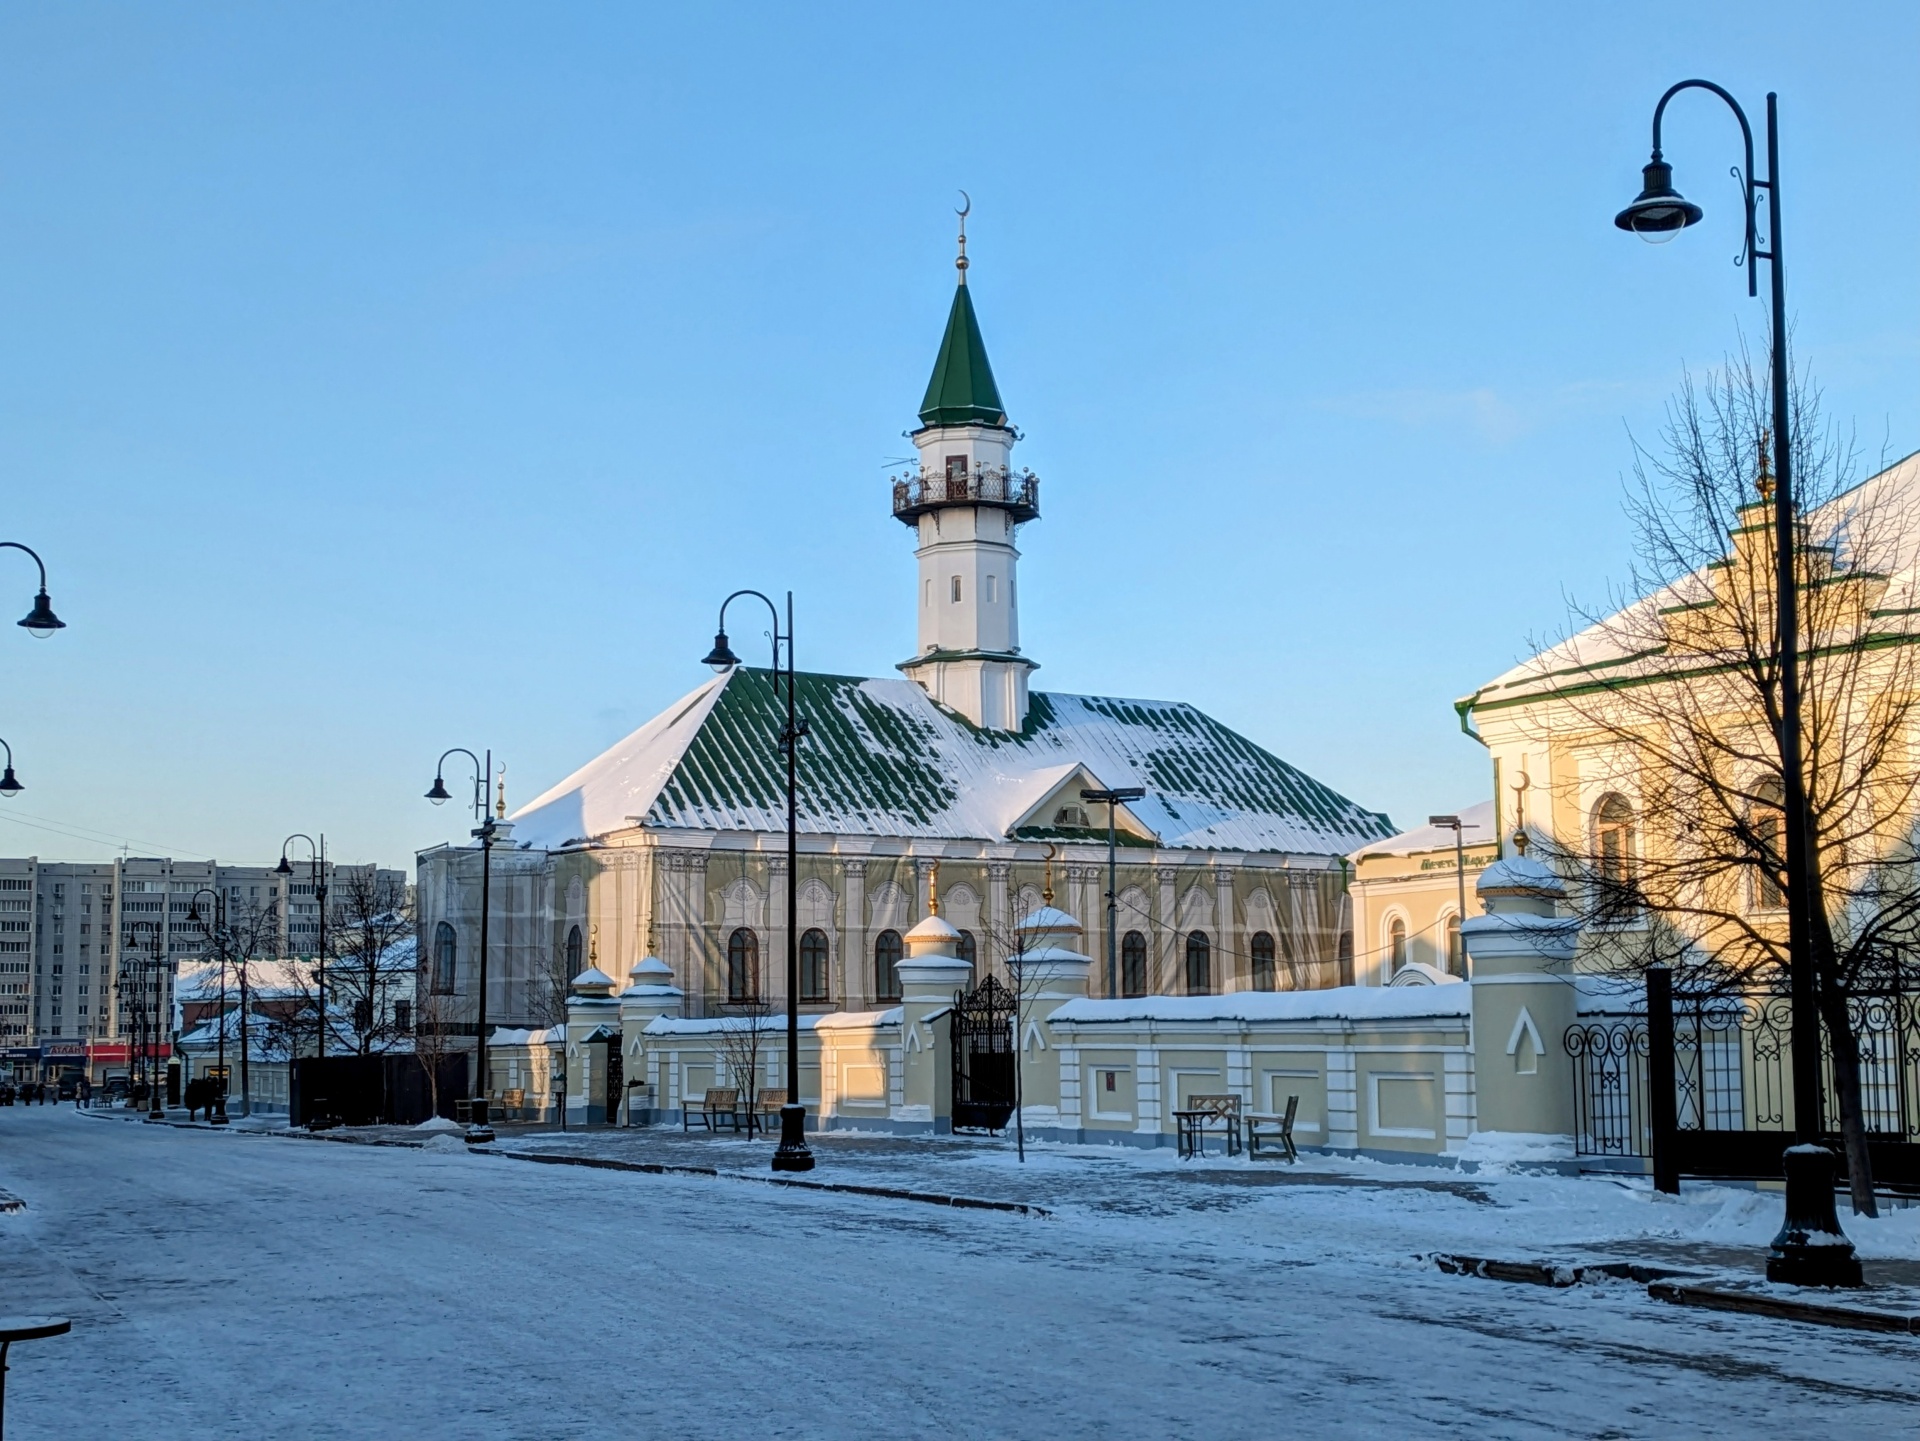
pixel 956 779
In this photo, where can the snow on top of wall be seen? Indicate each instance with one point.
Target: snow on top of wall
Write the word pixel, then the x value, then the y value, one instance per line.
pixel 1351 1003
pixel 507 1036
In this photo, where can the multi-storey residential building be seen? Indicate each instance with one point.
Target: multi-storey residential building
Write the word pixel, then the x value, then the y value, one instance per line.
pixel 77 942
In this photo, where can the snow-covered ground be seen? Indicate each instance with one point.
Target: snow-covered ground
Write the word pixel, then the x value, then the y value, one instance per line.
pixel 227 1284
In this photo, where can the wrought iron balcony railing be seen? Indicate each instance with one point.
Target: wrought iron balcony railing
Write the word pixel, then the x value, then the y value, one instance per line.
pixel 1017 492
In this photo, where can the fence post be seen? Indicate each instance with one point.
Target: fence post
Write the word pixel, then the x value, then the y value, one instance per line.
pixel 1662 1115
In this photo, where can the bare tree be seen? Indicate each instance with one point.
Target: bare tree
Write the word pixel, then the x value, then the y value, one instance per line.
pixel 433 1040
pixel 1674 701
pixel 249 933
pixel 738 1042
pixel 372 957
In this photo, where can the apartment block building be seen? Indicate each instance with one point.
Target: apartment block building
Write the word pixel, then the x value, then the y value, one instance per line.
pixel 78 941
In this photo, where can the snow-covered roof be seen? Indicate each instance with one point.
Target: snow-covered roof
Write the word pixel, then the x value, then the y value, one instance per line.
pixel 1892 496
pixel 882 758
pixel 1476 829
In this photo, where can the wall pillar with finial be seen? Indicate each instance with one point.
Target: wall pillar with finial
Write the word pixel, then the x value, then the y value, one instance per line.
pixel 1523 1003
pixel 931 975
pixel 1048 971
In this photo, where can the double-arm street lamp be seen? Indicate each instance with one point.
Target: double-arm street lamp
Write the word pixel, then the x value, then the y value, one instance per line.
pixel 217 933
pixel 317 873
pixel 477 1131
pixel 1657 214
pixel 792 1154
pixel 1112 798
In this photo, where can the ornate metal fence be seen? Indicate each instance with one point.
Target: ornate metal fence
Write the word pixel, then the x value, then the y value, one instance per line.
pixel 983 1056
pixel 1731 1063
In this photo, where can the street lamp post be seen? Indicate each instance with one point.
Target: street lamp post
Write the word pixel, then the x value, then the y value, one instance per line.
pixel 147 1017
pixel 1112 798
pixel 40 622
pixel 317 873
pixel 1657 214
pixel 1456 825
pixel 792 1153
pixel 217 933
pixel 478 1132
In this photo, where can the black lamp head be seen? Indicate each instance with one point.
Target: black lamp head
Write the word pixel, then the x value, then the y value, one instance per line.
pixel 721 657
pixel 1659 212
pixel 285 868
pixel 438 795
pixel 9 784
pixel 41 622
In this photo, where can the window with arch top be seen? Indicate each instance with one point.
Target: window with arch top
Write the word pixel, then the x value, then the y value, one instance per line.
pixel 574 957
pixel 743 966
pixel 886 955
pixel 446 953
pixel 1264 971
pixel 813 965
pixel 1199 964
pixel 1456 957
pixel 968 949
pixel 1769 834
pixel 1133 964
pixel 1613 839
pixel 1396 944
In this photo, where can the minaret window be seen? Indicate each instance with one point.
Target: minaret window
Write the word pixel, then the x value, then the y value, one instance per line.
pixel 956 589
pixel 956 477
pixel 993 589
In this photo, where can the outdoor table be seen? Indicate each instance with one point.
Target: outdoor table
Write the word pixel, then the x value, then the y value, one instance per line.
pixel 24 1328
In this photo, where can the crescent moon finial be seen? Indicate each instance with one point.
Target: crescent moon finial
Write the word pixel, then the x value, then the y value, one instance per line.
pixel 965 210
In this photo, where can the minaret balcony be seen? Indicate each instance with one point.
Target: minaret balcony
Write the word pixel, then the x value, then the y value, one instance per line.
pixel 1015 492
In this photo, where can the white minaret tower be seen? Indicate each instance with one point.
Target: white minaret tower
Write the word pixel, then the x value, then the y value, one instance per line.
pixel 965 503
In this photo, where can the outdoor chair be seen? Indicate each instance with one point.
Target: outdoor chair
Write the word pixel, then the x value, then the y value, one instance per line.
pixel 720 1105
pixel 1203 1113
pixel 766 1103
pixel 1276 1131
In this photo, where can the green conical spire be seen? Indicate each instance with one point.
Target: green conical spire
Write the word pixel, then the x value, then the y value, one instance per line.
pixel 962 391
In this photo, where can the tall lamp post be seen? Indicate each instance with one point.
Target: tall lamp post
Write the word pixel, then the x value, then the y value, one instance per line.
pixel 217 933
pixel 792 1153
pixel 317 874
pixel 148 1016
pixel 1456 825
pixel 1112 798
pixel 478 1131
pixel 1805 1250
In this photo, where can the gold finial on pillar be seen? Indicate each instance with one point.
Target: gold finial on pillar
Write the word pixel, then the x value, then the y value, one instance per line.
pixel 933 890
pixel 961 264
pixel 500 805
pixel 1046 882
pixel 1765 483
pixel 1520 837
pixel 593 946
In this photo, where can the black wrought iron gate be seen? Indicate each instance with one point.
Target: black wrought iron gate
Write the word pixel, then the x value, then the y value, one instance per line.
pixel 983 1056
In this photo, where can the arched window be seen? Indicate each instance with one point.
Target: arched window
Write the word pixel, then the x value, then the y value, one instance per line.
pixel 969 949
pixel 743 966
pixel 1456 960
pixel 1396 944
pixel 1770 859
pixel 1199 964
pixel 813 965
pixel 574 965
pixel 1263 967
pixel 1613 839
pixel 445 953
pixel 886 955
pixel 1133 964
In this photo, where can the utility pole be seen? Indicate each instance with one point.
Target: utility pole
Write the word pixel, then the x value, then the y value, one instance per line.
pixel 1112 798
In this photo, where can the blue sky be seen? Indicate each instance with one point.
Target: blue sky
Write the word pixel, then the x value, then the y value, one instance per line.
pixel 377 379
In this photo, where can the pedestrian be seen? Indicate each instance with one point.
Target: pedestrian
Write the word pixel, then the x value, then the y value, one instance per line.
pixel 85 1099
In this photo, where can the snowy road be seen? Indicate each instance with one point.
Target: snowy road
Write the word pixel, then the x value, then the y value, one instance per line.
pixel 226 1285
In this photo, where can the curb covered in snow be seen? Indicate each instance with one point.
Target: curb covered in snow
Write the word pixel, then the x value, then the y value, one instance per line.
pixel 1547 1273
pixel 1783 1308
pixel 659 1168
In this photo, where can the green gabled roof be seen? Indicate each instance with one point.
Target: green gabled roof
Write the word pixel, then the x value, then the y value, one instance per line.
pixel 962 391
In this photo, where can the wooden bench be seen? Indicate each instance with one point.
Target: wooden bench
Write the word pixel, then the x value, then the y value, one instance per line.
pixel 1203 1113
pixel 766 1105
pixel 1276 1131
pixel 514 1100
pixel 720 1103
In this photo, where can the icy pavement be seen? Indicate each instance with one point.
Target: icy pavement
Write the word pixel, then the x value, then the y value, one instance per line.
pixel 243 1285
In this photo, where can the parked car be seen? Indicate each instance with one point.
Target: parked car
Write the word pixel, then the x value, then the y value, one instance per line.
pixel 68 1087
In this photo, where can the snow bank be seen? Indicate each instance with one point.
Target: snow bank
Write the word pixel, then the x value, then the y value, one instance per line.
pixel 1352 1003
pixel 437 1123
